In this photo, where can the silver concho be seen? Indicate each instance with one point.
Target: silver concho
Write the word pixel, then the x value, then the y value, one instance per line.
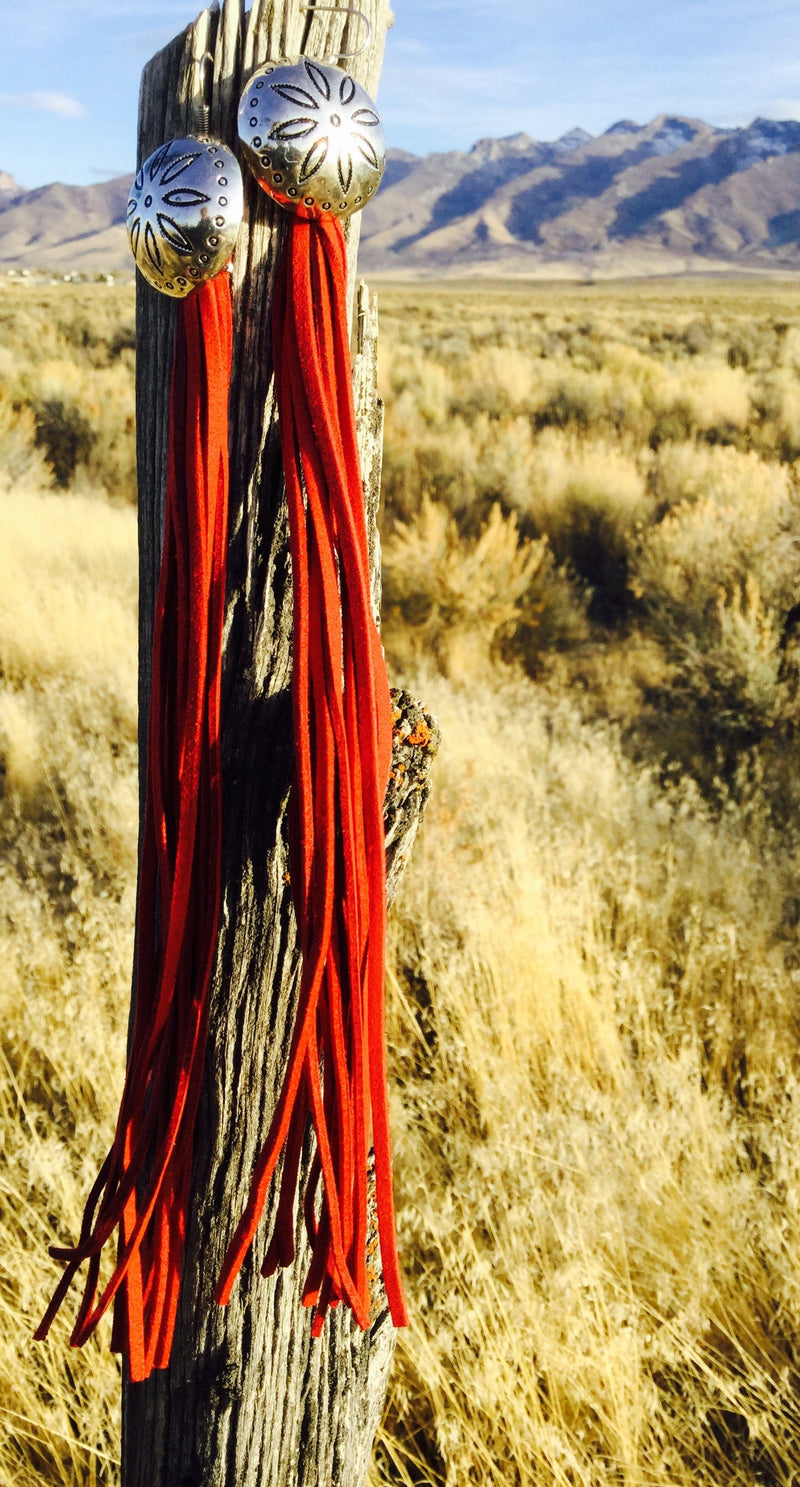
pixel 312 137
pixel 184 212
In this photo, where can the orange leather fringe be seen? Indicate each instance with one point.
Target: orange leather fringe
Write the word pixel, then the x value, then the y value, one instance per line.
pixel 143 1186
pixel 343 738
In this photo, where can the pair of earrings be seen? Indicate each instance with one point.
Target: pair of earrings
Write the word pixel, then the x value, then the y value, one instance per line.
pixel 313 140
pixel 315 143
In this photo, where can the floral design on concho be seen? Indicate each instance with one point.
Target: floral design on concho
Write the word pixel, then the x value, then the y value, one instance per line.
pixel 183 213
pixel 313 137
pixel 316 129
pixel 171 231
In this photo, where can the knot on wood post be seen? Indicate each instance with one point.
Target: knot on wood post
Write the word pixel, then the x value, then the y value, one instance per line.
pixel 415 743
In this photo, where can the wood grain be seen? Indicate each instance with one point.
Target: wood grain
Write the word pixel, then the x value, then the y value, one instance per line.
pixel 249 1399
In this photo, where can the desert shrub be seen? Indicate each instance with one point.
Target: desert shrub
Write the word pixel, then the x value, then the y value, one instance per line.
pixel 779 405
pixel 717 395
pixel 701 546
pixel 589 499
pixel 67 363
pixel 718 576
pixel 111 461
pixel 690 471
pixel 451 601
pixel 65 435
pixel 574 398
pixel 85 426
pixel 21 462
pixel 503 379
pixel 551 619
pixel 707 397
pixel 427 464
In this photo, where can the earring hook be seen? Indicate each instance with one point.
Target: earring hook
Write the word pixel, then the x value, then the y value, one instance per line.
pixel 207 88
pixel 313 10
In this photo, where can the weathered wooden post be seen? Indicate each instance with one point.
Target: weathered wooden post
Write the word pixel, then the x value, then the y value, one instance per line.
pixel 248 1398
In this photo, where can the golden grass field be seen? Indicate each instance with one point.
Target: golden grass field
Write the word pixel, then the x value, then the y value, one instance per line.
pixel 592 560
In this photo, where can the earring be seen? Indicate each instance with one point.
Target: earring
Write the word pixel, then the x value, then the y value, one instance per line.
pixel 315 143
pixel 312 138
pixel 183 215
pixel 184 212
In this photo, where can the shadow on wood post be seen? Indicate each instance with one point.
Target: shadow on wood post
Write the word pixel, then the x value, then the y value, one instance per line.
pixel 249 1399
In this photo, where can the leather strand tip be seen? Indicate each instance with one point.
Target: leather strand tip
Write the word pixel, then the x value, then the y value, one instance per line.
pixel 138 1368
pixel 231 1266
pixel 399 1313
pixel 222 1293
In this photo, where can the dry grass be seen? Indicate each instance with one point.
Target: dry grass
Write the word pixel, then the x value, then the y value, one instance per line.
pixel 592 554
pixel 595 1018
pixel 68 822
pixel 66 379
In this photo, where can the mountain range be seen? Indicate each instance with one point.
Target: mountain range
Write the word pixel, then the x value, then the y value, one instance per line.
pixel 675 195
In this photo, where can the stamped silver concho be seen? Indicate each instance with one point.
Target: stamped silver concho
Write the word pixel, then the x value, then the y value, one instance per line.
pixel 313 138
pixel 184 212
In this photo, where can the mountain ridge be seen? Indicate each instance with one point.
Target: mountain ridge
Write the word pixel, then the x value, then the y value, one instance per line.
pixel 670 196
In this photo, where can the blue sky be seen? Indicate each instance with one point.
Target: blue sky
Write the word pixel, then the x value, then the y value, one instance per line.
pixel 455 70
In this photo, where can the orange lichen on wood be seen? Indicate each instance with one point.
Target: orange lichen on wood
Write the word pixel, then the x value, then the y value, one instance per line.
pixel 421 735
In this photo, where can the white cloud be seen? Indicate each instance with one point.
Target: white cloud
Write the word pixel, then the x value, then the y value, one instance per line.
pixel 44 103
